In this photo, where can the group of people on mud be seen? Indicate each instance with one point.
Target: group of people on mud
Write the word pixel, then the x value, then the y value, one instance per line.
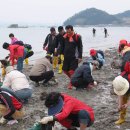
pixel 65 50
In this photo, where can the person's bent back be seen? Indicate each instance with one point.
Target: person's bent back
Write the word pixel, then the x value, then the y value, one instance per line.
pixel 42 70
pixel 17 82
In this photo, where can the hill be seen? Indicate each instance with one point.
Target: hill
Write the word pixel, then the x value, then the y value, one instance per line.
pixel 95 16
pixel 125 16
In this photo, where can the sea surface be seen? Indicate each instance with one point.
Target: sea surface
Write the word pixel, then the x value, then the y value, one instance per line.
pixel 36 36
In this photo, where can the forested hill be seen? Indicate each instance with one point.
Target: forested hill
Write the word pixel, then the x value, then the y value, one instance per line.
pixel 95 16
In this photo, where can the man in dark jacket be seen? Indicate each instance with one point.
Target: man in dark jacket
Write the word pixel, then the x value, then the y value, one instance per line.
pixel 72 51
pixel 82 77
pixel 49 45
pixel 59 43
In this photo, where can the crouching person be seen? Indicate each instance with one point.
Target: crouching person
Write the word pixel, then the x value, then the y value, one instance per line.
pixel 68 111
pixel 10 106
pixel 82 77
pixel 42 70
pixel 122 89
pixel 98 55
pixel 17 82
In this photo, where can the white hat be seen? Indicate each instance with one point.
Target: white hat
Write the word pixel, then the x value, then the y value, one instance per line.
pixel 121 85
pixel 9 69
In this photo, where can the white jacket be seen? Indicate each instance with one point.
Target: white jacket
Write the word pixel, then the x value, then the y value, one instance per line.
pixel 15 79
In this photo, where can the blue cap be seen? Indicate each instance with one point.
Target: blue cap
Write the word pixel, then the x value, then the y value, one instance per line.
pixel 53 110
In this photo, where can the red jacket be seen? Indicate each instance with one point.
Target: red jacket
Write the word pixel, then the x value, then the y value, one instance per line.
pixel 16 51
pixel 72 106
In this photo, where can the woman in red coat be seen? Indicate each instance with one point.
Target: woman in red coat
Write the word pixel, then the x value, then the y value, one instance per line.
pixel 68 111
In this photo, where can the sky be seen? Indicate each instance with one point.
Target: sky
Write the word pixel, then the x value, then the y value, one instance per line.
pixel 53 11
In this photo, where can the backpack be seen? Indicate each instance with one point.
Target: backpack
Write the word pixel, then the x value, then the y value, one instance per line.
pixel 126 68
pixel 28 46
pixel 76 37
pixel 19 43
pixel 101 52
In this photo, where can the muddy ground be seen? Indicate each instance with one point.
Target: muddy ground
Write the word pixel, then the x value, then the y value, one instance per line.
pixel 101 98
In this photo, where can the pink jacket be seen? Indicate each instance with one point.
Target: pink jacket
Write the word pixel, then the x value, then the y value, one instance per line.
pixel 13 40
pixel 16 51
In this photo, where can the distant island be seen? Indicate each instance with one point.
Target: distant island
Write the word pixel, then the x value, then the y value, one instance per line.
pixel 95 16
pixel 16 26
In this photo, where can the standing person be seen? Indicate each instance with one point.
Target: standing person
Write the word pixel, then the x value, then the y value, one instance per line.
pixel 121 87
pixel 17 82
pixel 16 52
pixel 13 39
pixel 72 51
pixel 125 53
pixel 68 111
pixel 42 70
pixel 98 55
pixel 82 77
pixel 59 43
pixel 10 106
pixel 105 32
pixel 94 32
pixel 49 45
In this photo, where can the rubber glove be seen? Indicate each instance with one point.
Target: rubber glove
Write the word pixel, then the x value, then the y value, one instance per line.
pixel 45 120
pixel 2 120
pixel 95 83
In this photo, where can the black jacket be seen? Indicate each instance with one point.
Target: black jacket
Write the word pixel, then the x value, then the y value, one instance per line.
pixel 83 72
pixel 59 41
pixel 50 41
pixel 72 49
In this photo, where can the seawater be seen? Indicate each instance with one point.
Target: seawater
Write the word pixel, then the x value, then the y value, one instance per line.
pixel 36 36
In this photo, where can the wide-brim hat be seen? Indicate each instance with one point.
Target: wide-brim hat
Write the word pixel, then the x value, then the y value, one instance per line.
pixel 121 85
pixel 53 110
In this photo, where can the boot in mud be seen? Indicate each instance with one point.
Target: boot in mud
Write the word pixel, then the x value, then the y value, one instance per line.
pixel 120 121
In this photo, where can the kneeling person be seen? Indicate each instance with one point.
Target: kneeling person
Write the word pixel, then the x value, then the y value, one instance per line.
pixel 68 111
pixel 82 77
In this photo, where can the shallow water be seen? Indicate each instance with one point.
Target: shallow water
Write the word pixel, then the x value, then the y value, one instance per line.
pixel 36 37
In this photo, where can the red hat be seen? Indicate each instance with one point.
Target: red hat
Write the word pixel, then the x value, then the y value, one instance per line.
pixel 123 42
pixel 93 52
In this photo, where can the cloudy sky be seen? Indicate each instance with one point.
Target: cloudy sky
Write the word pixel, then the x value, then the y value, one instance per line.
pixel 53 11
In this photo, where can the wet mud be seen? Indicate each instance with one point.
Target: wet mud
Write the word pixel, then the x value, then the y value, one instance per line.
pixel 101 98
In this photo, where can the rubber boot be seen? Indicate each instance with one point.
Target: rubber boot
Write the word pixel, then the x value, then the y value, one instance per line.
pixel 60 69
pixel 55 62
pixel 70 86
pixel 121 118
pixel 122 112
pixel 26 61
